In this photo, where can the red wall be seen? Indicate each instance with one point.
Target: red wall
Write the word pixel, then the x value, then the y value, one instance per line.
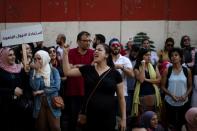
pixel 96 10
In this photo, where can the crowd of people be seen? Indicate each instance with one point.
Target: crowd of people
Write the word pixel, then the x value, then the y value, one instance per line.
pixel 112 88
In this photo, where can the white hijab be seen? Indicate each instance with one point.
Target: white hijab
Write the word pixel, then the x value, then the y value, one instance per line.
pixel 45 70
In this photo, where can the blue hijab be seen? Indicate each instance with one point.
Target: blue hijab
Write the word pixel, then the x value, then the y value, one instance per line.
pixel 146 118
pixel 145 121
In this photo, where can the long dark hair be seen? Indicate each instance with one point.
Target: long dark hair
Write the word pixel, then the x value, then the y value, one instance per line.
pixel 110 62
pixel 170 39
pixel 141 53
pixel 58 62
pixel 182 40
pixel 134 48
pixel 18 51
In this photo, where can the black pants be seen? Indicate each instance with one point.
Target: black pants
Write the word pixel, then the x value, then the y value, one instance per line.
pixel 11 117
pixel 176 115
pixel 73 106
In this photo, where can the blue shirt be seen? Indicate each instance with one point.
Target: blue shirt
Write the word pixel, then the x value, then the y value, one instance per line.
pixel 37 83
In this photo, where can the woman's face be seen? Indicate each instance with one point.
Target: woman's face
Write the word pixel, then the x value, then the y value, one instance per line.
pixel 154 121
pixel 147 57
pixel 175 57
pixel 99 54
pixel 11 57
pixel 186 41
pixel 169 45
pixel 129 45
pixel 38 60
pixel 29 51
pixel 146 44
pixel 52 53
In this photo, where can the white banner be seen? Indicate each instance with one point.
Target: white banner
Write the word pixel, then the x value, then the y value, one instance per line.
pixel 22 35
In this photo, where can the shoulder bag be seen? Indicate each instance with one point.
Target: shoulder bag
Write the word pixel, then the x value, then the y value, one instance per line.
pixel 82 118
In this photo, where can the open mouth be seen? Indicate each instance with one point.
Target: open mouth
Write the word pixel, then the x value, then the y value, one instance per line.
pixel 96 55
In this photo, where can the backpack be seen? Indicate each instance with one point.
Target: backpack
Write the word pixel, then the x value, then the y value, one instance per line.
pixel 185 71
pixel 195 65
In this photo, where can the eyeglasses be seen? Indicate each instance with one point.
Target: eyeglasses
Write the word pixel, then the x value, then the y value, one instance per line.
pixel 86 40
pixel 115 45
pixel 52 51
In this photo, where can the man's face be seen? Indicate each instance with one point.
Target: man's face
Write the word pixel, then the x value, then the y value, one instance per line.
pixel 84 42
pixel 115 48
pixel 94 42
pixel 39 44
pixel 58 40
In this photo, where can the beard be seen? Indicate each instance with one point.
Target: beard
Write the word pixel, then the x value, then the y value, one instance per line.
pixel 58 43
pixel 116 52
pixel 84 48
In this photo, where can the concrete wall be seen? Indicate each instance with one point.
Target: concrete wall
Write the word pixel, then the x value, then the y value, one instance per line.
pixel 158 31
pixel 113 18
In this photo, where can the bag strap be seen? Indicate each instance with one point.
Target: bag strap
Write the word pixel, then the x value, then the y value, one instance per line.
pixel 96 87
pixel 169 71
pixel 185 71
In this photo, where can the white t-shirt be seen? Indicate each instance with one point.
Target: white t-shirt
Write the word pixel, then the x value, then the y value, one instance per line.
pixel 127 64
pixel 60 52
pixel 154 58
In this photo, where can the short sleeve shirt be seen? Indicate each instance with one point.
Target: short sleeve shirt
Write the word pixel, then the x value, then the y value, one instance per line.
pixel 102 102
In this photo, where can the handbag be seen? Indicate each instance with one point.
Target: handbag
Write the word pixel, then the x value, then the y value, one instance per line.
pixel 82 118
pixel 57 102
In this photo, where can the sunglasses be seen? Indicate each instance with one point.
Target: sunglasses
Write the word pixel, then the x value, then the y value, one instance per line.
pixel 170 45
pixel 186 39
pixel 115 45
